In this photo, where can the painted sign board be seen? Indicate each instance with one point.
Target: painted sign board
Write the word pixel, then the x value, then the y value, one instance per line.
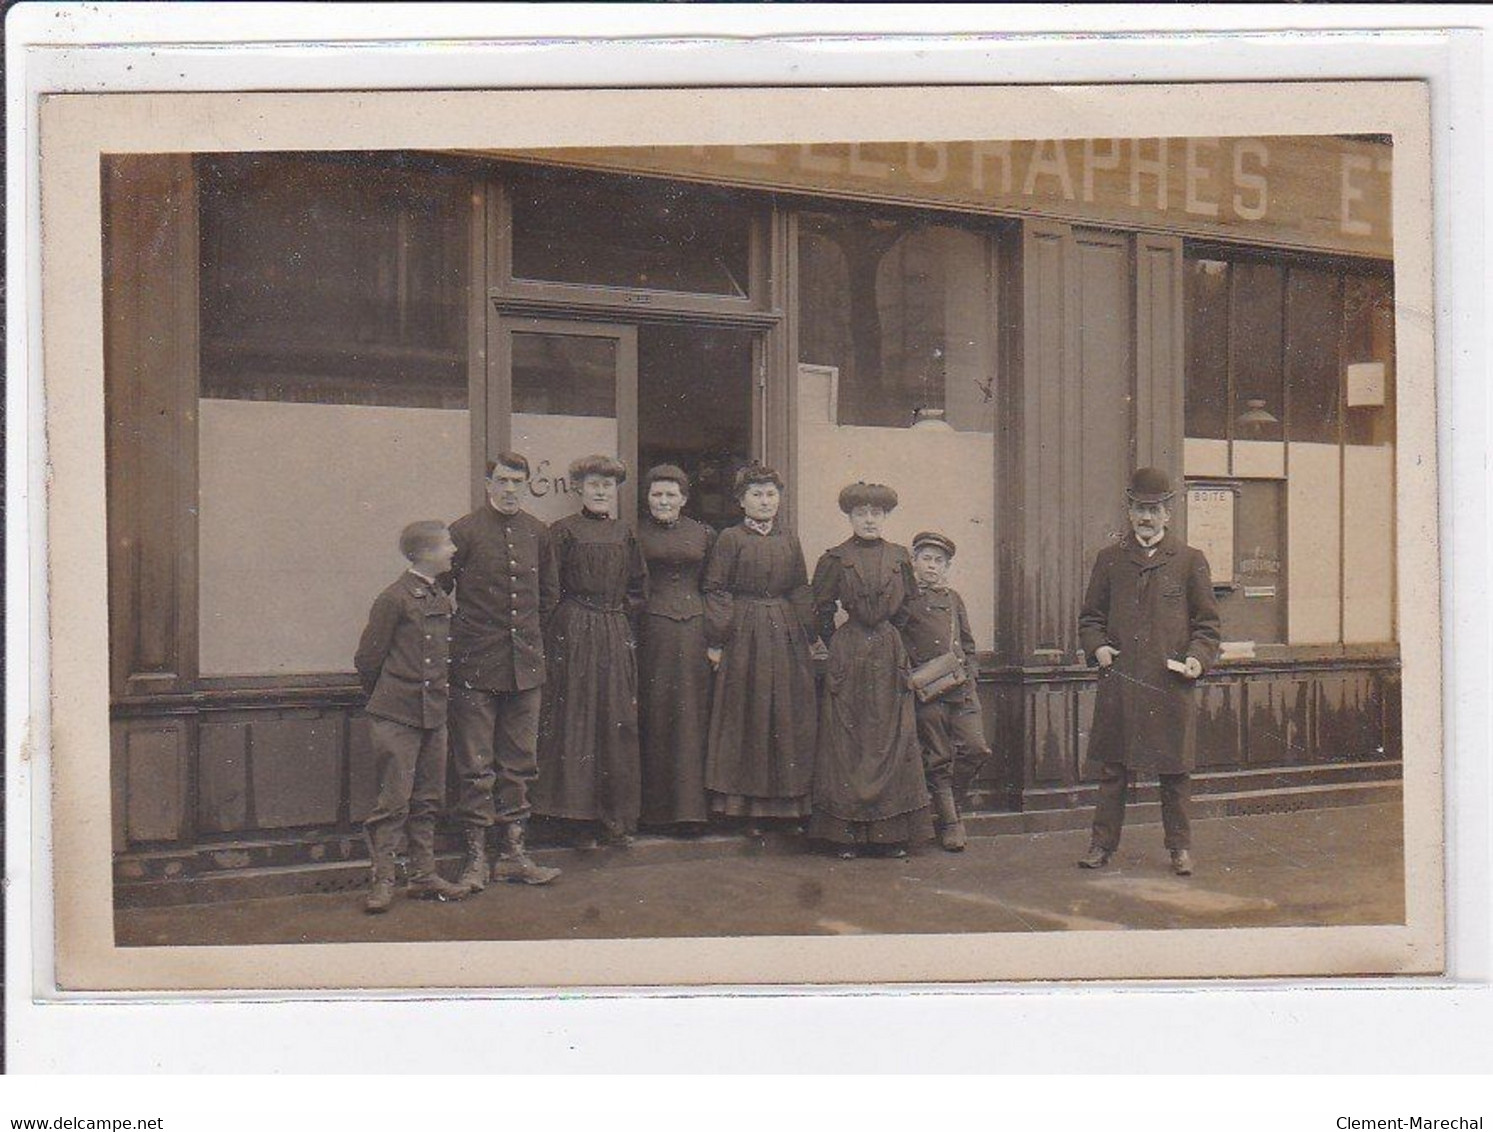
pixel 1324 192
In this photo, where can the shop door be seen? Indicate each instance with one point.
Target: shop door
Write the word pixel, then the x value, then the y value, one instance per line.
pixel 699 408
pixel 559 390
pixel 659 393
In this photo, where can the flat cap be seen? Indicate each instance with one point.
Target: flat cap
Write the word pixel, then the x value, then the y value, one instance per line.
pixel 933 538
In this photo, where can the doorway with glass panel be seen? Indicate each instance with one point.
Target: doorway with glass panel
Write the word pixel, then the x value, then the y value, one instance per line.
pixel 629 316
pixel 649 394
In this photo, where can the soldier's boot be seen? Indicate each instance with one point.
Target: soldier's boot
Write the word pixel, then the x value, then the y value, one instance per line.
pixel 950 825
pixel 514 864
pixel 433 886
pixel 381 893
pixel 427 884
pixel 473 878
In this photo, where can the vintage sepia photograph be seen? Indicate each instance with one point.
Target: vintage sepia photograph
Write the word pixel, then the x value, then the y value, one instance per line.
pixel 990 535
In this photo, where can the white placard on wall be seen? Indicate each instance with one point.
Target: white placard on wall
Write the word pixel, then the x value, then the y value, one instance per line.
pixel 1210 528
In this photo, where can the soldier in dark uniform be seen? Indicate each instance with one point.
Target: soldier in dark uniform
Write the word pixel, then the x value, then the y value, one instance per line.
pixel 935 622
pixel 506 583
pixel 401 661
pixel 1150 622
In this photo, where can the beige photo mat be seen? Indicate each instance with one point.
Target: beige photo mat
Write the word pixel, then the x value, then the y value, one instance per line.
pixel 76 130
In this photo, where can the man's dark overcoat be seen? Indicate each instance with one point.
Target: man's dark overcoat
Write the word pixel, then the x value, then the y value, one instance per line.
pixel 1151 609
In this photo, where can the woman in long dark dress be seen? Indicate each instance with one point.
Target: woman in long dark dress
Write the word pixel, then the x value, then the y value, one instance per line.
pixel 588 726
pixel 673 670
pixel 760 759
pixel 869 791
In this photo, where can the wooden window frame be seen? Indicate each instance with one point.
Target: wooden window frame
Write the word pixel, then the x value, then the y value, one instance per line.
pixel 515 296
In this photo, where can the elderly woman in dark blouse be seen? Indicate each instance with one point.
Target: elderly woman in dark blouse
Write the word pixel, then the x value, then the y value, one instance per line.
pixel 760 758
pixel 869 793
pixel 588 728
pixel 674 672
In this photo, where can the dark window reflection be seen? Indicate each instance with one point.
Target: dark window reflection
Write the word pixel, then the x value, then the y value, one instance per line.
pixel 902 309
pixel 1208 349
pixel 333 281
pixel 1255 351
pixel 564 375
pixel 634 232
pixel 1314 326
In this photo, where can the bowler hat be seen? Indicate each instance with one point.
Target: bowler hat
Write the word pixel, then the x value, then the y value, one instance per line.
pixel 1149 485
pixel 933 538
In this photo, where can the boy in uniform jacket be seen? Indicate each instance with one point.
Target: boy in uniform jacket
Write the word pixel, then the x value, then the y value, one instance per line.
pixel 401 662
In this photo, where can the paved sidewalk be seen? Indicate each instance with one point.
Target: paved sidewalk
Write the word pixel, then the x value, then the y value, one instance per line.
pixel 1317 867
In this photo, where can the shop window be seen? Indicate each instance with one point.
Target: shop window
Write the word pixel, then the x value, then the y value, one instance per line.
pixel 1368 355
pixel 1290 391
pixel 635 232
pixel 333 282
pixel 1208 349
pixel 333 403
pixel 1314 324
pixel 1255 337
pixel 901 310
pixel 896 385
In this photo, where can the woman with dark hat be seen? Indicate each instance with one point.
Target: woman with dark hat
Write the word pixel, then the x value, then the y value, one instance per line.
pixel 673 670
pixel 869 793
pixel 760 758
pixel 588 726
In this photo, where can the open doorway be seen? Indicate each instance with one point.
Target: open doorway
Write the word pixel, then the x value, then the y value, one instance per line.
pixel 695 407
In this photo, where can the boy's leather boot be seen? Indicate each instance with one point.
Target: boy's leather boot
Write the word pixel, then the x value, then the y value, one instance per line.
pixel 950 825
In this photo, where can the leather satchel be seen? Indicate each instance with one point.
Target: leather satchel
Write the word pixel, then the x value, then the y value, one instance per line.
pixel 943 673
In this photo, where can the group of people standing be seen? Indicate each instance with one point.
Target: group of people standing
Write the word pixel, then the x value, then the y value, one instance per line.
pixel 605 675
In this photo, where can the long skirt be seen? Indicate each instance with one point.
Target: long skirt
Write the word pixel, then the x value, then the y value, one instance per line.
pixel 674 686
pixel 588 726
pixel 868 781
pixel 760 761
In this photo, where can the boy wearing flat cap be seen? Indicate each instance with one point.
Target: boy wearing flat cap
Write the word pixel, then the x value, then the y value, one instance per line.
pixel 934 624
pixel 1150 622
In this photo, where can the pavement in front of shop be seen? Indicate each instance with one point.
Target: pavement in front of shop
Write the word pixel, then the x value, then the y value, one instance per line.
pixel 1313 867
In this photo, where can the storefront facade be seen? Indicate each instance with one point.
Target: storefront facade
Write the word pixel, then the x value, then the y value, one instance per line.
pixel 304 352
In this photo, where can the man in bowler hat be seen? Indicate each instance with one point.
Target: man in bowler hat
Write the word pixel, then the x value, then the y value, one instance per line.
pixel 1150 622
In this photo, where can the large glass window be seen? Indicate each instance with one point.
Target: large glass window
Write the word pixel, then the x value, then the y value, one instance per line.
pixel 333 282
pixel 1290 393
pixel 903 312
pixel 1255 335
pixel 1208 349
pixel 333 404
pixel 635 232
pixel 896 384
